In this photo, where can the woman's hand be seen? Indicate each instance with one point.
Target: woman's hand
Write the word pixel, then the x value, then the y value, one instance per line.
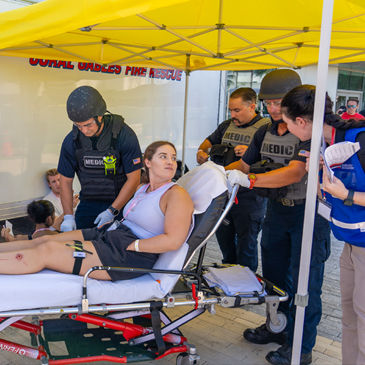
pixel 336 188
pixel 3 231
pixel 131 246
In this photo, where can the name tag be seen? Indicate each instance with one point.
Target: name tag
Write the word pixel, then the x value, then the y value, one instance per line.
pixel 324 209
pixel 94 162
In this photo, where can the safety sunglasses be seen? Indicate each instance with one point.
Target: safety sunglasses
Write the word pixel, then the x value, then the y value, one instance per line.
pixel 272 103
pixel 88 125
pixel 352 106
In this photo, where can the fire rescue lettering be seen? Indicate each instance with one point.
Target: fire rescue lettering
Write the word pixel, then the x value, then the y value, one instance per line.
pixel 278 149
pixel 153 73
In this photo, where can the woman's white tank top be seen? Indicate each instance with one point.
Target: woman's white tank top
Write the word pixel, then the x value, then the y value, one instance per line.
pixel 143 214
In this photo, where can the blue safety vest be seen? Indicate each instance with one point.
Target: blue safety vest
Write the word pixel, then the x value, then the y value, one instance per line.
pixel 348 222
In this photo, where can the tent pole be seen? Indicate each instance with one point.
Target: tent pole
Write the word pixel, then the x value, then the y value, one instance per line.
pixel 187 75
pixel 301 298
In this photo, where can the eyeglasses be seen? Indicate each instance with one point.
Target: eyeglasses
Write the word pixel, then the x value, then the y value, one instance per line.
pixel 352 106
pixel 88 125
pixel 270 104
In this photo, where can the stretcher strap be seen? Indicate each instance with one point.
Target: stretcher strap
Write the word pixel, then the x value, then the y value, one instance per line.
pixel 78 259
pixel 9 321
pixel 172 326
pixel 156 325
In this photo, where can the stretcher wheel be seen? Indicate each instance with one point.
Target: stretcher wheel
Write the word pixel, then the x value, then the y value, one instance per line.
pixel 185 359
pixel 277 328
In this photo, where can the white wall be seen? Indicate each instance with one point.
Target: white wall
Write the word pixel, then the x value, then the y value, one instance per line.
pixel 309 76
pixel 34 121
pixel 7 6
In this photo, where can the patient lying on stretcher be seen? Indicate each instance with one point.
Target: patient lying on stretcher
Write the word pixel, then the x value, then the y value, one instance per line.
pixel 156 220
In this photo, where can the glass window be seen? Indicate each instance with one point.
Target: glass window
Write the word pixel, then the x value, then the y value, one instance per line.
pixel 356 81
pixel 343 80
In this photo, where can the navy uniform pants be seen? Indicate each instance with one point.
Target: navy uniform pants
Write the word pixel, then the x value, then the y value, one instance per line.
pixel 281 243
pixel 87 211
pixel 238 240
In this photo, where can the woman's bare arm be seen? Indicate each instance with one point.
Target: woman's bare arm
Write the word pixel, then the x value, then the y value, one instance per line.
pixel 178 214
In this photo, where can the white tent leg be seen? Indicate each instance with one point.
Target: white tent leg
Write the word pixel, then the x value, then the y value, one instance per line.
pixel 185 116
pixel 310 207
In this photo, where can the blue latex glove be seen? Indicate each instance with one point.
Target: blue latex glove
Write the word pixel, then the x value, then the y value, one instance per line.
pixel 104 217
pixel 68 223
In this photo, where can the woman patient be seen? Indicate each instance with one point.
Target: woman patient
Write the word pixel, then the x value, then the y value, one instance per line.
pixel 156 220
pixel 42 214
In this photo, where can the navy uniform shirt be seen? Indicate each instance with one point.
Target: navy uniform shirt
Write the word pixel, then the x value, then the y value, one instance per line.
pixel 127 145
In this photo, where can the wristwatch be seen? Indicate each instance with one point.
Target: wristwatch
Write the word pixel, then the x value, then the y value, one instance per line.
pixel 114 211
pixel 252 177
pixel 350 198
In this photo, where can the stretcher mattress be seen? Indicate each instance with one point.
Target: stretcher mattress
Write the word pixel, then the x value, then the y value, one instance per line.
pixel 53 289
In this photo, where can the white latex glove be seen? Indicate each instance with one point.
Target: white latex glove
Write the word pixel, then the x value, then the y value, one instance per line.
pixel 104 217
pixel 238 177
pixel 68 223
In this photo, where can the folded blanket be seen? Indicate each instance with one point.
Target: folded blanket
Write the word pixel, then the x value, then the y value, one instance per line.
pixel 233 280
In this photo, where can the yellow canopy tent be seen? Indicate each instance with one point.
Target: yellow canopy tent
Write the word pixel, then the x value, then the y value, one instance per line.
pixel 216 34
pixel 201 35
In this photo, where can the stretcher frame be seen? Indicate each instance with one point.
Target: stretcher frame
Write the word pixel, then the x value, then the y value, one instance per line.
pixel 139 342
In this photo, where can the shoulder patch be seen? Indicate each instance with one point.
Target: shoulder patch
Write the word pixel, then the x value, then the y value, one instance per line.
pixel 136 160
pixel 304 153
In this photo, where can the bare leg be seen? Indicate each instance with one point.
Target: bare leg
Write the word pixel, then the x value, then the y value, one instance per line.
pixel 51 255
pixel 21 245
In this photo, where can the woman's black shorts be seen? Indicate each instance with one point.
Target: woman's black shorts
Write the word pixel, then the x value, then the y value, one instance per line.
pixel 112 250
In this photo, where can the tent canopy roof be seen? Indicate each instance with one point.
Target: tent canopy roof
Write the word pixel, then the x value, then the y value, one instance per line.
pixel 216 34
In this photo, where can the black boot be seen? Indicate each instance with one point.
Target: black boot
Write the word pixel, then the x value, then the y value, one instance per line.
pixel 282 356
pixel 261 335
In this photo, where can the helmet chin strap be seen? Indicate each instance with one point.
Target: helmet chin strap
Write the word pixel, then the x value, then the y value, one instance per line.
pixel 98 124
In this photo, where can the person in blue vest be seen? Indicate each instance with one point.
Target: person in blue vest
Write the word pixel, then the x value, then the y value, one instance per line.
pixel 282 228
pixel 346 197
pixel 105 154
pixel 238 239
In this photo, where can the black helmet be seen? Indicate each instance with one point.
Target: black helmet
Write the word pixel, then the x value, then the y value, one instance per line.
pixel 84 103
pixel 277 83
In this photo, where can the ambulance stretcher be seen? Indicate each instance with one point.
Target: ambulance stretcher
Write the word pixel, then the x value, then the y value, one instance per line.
pixel 126 321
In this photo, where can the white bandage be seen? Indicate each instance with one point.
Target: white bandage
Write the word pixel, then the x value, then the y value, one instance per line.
pixel 136 247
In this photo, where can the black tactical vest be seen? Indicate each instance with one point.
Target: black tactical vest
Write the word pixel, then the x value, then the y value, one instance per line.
pixel 280 149
pixel 223 154
pixel 97 182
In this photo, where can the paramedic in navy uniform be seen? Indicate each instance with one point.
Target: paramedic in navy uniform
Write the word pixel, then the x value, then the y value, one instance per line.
pixel 238 240
pixel 282 227
pixel 346 196
pixel 106 156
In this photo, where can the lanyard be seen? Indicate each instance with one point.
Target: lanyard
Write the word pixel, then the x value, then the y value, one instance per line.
pixel 333 136
pixel 141 195
pixel 42 229
pixel 332 142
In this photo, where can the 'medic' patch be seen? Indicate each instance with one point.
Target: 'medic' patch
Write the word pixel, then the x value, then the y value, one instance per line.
pixel 93 162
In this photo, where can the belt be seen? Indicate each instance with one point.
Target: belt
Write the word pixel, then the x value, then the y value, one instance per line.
pixel 290 202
